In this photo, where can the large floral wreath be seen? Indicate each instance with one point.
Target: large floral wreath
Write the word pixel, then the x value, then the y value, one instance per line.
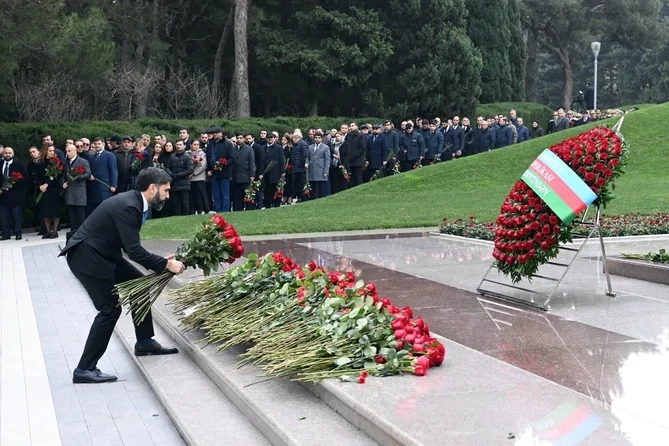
pixel 528 233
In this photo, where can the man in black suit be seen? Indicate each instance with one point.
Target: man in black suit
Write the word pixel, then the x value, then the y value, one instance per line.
pixel 12 200
pixel 94 257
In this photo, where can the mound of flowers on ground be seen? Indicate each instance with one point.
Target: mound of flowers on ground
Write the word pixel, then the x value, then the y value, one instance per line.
pixel 307 323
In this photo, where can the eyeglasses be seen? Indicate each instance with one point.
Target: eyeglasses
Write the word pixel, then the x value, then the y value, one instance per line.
pixel 79 147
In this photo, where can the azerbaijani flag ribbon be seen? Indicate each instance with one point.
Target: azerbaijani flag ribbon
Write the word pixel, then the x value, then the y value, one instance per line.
pixel 559 186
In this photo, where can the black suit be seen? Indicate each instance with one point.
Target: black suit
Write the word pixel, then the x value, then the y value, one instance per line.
pixel 95 258
pixel 13 200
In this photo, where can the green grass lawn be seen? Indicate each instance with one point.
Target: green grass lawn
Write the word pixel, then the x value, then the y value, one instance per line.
pixel 475 185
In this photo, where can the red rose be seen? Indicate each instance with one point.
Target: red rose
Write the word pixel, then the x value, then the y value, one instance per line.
pixel 599 167
pixel 553 220
pixel 379 359
pixel 544 218
pixel 590 176
pixel 544 246
pixel 546 230
pixel 614 162
pixel 608 173
pixel 531 254
pixel 538 238
pixel 600 182
pixel 239 250
pixel 588 160
pixel 510 260
pixel 556 229
pixel 312 265
pixel 235 241
pixel 423 361
pixel 362 378
pixel 220 221
pixel 522 259
pixel 230 231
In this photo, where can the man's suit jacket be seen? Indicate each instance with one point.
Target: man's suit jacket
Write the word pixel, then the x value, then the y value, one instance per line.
pixel 275 153
pixel 75 194
pixel 111 228
pixel 318 158
pixel 561 124
pixel 245 166
pixel 16 196
pixel 215 151
pixel 105 168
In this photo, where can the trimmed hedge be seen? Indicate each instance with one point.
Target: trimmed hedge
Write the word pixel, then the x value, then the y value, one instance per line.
pixel 529 111
pixel 21 136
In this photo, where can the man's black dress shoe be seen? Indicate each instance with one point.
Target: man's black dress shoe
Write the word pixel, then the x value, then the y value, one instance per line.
pixel 18 237
pixel 5 237
pixel 91 377
pixel 153 348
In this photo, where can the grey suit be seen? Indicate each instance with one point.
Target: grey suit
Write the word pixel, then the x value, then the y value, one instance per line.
pixel 561 124
pixel 318 158
pixel 75 194
pixel 245 165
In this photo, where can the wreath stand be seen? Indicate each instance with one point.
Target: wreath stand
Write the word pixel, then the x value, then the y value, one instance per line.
pixel 594 227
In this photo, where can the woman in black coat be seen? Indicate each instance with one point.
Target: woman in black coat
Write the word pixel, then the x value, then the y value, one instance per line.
pixel 50 187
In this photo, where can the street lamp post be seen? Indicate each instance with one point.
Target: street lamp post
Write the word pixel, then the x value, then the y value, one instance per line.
pixel 595 46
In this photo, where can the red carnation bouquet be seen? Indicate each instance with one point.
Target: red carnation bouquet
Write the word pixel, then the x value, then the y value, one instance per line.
pixel 528 232
pixel 217 242
pixel 280 188
pixel 11 181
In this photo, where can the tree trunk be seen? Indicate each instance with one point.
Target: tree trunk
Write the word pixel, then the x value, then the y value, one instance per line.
pixel 313 108
pixel 241 93
pixel 568 89
pixel 532 68
pixel 218 59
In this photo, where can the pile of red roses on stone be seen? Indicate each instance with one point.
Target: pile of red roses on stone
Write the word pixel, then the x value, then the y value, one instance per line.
pixel 217 242
pixel 307 323
pixel 528 232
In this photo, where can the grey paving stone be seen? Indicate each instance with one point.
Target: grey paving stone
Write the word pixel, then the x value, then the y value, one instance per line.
pixel 121 413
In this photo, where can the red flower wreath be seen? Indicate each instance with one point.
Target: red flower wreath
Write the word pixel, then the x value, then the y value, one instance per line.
pixel 528 233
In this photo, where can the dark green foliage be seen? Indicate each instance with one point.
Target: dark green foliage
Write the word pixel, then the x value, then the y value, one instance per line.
pixel 435 69
pixel 495 29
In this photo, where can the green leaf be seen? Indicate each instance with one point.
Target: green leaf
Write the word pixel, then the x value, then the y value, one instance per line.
pixel 354 313
pixel 362 322
pixel 252 256
pixel 342 361
pixel 370 351
pixel 359 283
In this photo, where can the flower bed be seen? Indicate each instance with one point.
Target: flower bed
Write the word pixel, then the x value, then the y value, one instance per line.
pixel 306 322
pixel 612 226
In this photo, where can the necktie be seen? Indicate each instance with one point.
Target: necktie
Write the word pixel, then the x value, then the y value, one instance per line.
pixel 6 173
pixel 145 216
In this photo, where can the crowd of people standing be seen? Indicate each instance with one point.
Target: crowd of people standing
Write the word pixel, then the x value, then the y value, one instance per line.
pixel 224 172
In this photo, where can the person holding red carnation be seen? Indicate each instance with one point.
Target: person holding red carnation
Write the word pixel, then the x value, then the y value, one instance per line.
pixel 12 200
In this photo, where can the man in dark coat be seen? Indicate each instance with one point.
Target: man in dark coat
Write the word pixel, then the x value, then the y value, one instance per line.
pixel 298 157
pixel 377 152
pixel 562 122
pixel 434 143
pixel 243 173
pixel 357 149
pixel 94 255
pixel 484 138
pixel 536 131
pixel 103 168
pixel 125 157
pixel 76 197
pixel 412 146
pixel 259 159
pixel 12 199
pixel 504 135
pixel 180 168
pixel 273 152
pixel 220 148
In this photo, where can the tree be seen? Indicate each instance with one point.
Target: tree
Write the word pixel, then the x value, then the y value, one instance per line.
pixel 435 70
pixel 331 48
pixel 565 26
pixel 495 28
pixel 241 79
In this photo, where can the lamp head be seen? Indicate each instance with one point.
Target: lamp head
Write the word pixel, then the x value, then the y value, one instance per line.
pixel 595 46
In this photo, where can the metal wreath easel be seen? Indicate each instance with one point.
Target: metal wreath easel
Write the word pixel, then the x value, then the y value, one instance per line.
pixel 594 227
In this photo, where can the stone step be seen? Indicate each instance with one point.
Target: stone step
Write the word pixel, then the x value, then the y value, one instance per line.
pixel 199 410
pixel 284 411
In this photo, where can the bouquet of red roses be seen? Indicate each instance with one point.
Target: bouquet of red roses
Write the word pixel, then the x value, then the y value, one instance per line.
pixel 137 164
pixel 344 173
pixel 75 173
pixel 220 164
pixel 217 242
pixel 11 181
